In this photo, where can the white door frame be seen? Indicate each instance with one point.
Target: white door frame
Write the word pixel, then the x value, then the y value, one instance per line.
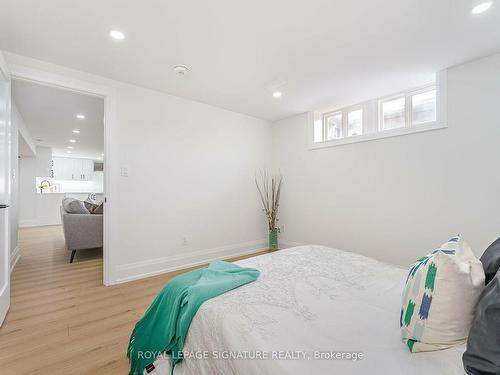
pixel 109 95
pixel 5 273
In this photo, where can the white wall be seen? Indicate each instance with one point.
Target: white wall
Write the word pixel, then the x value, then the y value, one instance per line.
pixel 396 198
pixel 16 121
pixel 36 209
pixel 28 147
pixel 191 169
pixel 27 194
pixel 23 186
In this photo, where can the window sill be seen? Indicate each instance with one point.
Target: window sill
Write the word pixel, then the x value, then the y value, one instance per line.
pixel 378 135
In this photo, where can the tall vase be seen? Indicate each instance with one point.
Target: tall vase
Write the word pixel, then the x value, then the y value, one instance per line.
pixel 273 239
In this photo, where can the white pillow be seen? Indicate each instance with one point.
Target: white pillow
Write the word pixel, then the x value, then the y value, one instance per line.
pixel 440 297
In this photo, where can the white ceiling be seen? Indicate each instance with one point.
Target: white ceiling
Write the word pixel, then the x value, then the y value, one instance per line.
pixel 50 115
pixel 324 52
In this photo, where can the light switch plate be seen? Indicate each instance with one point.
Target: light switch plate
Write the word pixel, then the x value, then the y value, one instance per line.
pixel 124 171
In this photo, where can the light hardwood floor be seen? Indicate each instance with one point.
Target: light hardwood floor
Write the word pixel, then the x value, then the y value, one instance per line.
pixel 62 320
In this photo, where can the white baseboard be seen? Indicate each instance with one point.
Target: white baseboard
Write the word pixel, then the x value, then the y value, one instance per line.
pixel 35 224
pixel 16 254
pixel 27 223
pixel 153 267
pixel 285 244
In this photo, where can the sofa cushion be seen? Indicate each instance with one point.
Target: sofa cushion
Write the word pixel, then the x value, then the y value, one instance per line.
pixel 99 210
pixel 491 260
pixel 90 206
pixel 74 206
pixel 96 209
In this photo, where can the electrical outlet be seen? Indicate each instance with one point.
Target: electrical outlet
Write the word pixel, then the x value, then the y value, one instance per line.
pixel 282 228
pixel 184 240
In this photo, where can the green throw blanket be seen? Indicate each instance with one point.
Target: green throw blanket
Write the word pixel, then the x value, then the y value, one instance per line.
pixel 166 322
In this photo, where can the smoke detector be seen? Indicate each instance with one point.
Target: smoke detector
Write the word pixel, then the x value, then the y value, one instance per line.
pixel 181 69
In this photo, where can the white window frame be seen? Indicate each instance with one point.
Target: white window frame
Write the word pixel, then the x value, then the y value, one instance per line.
pixel 409 102
pixel 408 97
pixel 345 121
pixel 363 122
pixel 371 117
pixel 381 112
pixel 326 116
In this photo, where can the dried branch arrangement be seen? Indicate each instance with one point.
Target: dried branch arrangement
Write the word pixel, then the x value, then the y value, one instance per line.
pixel 269 190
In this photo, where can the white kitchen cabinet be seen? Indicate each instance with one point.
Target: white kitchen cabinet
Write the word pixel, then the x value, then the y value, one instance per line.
pixel 58 169
pixel 69 169
pixel 83 169
pixel 62 169
pixel 76 169
pixel 87 169
pixel 73 169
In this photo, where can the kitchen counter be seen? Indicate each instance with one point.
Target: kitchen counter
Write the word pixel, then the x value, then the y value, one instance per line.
pixel 69 192
pixel 46 205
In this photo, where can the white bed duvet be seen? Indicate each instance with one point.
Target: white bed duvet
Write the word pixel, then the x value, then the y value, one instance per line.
pixel 309 302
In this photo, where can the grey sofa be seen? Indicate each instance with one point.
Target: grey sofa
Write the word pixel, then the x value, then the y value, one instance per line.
pixel 81 231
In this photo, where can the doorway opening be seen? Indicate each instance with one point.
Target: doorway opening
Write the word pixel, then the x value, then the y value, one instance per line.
pixel 59 190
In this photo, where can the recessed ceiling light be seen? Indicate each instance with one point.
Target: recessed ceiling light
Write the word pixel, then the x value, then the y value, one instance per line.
pixel 277 94
pixel 482 7
pixel 181 69
pixel 76 131
pixel 80 116
pixel 117 34
pixel 70 147
pixel 72 140
pixel 69 152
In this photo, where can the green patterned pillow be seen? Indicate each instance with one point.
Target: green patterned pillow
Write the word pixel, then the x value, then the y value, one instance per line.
pixel 440 296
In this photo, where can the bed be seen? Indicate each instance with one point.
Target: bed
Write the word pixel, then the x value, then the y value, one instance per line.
pixel 313 310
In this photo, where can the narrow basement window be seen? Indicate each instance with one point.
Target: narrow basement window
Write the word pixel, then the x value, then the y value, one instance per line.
pixel 392 113
pixel 355 123
pixel 403 113
pixel 334 126
pixel 423 108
